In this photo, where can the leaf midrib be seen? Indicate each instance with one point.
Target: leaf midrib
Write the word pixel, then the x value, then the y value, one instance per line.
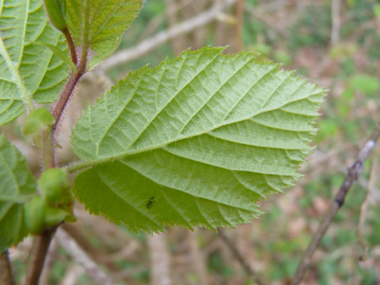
pixel 96 161
pixel 12 68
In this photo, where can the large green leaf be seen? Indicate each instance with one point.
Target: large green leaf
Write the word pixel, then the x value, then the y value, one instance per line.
pixel 27 71
pixel 196 141
pixel 100 24
pixel 16 187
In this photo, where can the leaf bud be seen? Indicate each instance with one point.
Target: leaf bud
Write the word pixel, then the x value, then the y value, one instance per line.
pixel 37 121
pixel 54 185
pixel 55 11
pixel 35 214
pixel 55 216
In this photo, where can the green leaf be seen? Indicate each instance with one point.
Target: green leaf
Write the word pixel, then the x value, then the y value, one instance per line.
pixel 35 215
pixel 99 24
pixel 27 72
pixel 195 141
pixel 16 188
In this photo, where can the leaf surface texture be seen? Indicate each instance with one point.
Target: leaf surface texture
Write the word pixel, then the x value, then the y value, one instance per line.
pixel 195 141
pixel 101 23
pixel 27 71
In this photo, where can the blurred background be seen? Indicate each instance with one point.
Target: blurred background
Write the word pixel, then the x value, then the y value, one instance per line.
pixel 335 43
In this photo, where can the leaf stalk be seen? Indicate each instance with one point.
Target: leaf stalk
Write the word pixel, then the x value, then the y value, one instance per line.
pixel 71 45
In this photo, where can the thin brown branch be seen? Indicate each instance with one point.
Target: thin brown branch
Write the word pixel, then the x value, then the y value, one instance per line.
pixel 51 256
pixel 335 17
pixel 252 274
pixel 152 43
pixel 81 257
pixel 351 177
pixel 6 277
pixel 38 254
pixel 363 210
pixel 71 45
pixel 160 259
pixel 260 15
pixel 239 24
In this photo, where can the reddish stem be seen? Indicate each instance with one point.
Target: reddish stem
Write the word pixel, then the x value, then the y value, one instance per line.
pixel 71 45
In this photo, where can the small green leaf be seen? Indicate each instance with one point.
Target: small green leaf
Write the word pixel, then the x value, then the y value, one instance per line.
pixel 37 121
pixel 28 72
pixel 54 183
pixel 100 24
pixel 35 215
pixel 195 141
pixel 17 186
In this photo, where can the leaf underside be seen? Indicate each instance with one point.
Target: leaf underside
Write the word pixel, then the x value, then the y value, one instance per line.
pixel 105 24
pixel 195 141
pixel 17 185
pixel 29 67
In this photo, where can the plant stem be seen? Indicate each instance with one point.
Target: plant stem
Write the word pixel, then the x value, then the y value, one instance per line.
pixel 66 95
pixel 351 177
pixel 6 277
pixel 71 45
pixel 42 241
pixel 70 85
pixel 39 251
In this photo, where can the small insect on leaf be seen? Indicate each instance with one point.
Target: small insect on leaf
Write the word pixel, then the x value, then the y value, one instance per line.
pixel 151 202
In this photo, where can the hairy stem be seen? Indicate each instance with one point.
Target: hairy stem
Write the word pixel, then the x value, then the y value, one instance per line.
pixel 71 45
pixel 39 251
pixel 351 177
pixel 6 277
pixel 42 241
pixel 67 92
